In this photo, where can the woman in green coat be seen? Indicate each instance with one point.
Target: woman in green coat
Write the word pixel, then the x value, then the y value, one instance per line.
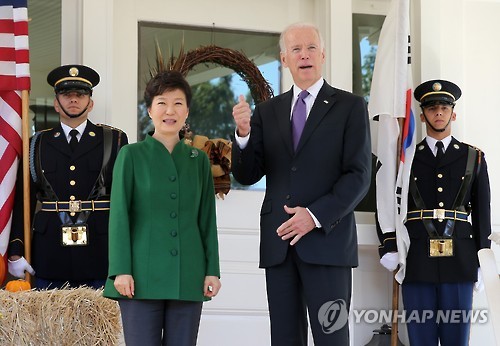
pixel 163 248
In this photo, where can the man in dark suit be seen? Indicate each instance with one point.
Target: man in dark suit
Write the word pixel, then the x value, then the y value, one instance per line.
pixel 448 222
pixel 71 168
pixel 308 231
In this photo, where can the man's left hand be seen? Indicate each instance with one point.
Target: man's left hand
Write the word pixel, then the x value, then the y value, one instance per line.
pixel 297 226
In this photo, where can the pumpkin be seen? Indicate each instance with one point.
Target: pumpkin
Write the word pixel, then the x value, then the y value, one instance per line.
pixel 3 270
pixel 18 285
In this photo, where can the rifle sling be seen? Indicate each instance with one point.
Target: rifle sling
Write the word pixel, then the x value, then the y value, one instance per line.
pixel 457 204
pixel 98 190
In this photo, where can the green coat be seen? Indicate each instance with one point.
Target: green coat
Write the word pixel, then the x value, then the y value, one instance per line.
pixel 162 225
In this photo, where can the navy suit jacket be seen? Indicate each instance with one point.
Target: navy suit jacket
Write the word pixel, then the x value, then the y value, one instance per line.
pixel 329 173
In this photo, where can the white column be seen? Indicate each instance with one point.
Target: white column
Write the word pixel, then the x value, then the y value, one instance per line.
pixel 71 32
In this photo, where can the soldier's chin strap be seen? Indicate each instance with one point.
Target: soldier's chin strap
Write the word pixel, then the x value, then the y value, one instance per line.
pixel 73 116
pixel 432 127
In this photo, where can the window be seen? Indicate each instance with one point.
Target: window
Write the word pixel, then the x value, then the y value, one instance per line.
pixel 215 88
pixel 45 54
pixel 365 30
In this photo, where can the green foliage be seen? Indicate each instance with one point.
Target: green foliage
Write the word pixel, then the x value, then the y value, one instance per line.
pixel 210 113
pixel 367 72
pixel 144 123
pixel 211 109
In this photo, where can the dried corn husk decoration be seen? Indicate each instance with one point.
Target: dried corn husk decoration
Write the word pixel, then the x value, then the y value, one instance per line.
pixel 219 154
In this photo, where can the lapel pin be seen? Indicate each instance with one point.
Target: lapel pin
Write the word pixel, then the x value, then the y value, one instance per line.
pixel 325 101
pixel 57 134
pixel 92 134
pixel 421 147
pixel 456 146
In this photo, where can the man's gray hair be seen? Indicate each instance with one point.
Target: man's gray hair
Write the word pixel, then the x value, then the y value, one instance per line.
pixel 299 26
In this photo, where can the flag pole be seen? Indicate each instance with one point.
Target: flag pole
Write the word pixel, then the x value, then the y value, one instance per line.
pixel 395 310
pixel 26 178
pixel 395 149
pixel 395 283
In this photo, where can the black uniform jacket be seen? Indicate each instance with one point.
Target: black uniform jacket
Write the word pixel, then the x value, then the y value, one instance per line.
pixel 71 175
pixel 329 173
pixel 438 185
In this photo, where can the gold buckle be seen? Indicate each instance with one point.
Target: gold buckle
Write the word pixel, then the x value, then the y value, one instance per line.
pixel 75 206
pixel 74 235
pixel 439 214
pixel 440 247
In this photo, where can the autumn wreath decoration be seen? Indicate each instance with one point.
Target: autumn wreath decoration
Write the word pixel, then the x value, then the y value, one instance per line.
pixel 218 149
pixel 230 58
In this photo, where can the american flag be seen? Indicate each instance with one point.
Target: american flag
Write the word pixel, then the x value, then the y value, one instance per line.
pixel 14 77
pixel 390 99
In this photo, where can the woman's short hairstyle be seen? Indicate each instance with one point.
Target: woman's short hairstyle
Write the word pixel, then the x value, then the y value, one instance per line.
pixel 167 81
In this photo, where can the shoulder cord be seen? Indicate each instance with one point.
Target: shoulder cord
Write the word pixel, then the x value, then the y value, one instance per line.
pixel 33 169
pixel 37 171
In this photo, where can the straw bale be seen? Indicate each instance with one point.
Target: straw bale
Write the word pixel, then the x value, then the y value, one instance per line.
pixel 78 316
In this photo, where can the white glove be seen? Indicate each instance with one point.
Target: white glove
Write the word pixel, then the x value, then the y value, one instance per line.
pixel 495 236
pixel 479 284
pixel 19 266
pixel 390 261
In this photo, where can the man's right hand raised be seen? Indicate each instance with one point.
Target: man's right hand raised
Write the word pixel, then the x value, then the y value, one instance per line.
pixel 241 115
pixel 18 266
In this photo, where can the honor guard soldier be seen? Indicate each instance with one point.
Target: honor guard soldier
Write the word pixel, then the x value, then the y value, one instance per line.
pixel 71 170
pixel 448 222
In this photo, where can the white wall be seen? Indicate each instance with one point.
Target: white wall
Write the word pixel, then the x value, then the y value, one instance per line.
pixel 482 88
pixel 459 43
pixel 452 39
pixel 110 40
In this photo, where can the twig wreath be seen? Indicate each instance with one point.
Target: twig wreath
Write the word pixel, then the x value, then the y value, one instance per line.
pixel 230 58
pixel 217 149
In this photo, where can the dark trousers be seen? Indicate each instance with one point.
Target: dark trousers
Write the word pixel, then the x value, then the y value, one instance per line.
pixel 325 291
pixel 42 284
pixel 160 322
pixel 438 312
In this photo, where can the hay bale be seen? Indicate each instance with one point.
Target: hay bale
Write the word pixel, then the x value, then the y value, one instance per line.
pixel 79 316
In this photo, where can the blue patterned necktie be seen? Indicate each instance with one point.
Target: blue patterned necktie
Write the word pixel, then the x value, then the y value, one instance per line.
pixel 299 117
